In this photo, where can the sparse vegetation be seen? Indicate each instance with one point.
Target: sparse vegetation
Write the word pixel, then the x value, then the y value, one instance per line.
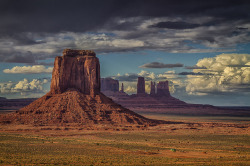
pixel 183 141
pixel 122 148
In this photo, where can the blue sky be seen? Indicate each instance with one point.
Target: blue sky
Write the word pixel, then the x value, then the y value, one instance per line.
pixel 203 49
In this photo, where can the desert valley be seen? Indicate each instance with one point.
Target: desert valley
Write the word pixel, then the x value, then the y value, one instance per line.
pixel 76 124
pixel 125 82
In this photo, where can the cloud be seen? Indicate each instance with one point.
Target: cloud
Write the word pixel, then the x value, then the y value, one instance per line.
pixel 23 87
pixel 195 67
pixel 216 25
pixel 168 74
pixel 26 14
pixel 130 90
pixel 176 82
pixel 147 75
pixel 238 65
pixel 225 79
pixel 175 25
pixel 190 73
pixel 132 77
pixel 28 69
pixel 14 56
pixel 129 77
pixel 160 65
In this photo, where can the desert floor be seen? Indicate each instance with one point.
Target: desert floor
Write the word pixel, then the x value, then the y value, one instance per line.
pixel 186 140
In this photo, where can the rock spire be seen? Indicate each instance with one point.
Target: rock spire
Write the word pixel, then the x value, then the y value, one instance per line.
pixel 140 86
pixel 152 89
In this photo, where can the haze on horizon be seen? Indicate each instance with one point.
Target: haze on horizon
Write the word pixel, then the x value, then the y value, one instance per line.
pixel 202 48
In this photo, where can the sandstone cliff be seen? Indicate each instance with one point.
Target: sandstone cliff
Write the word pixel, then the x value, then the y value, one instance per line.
pixel 109 84
pixel 77 69
pixel 141 86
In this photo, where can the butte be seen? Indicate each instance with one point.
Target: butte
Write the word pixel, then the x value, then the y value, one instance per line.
pixel 75 98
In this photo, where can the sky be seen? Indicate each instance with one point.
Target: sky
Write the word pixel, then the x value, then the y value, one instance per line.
pixel 201 47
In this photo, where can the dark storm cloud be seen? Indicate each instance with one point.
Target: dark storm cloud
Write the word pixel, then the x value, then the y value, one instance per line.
pixel 44 63
pixel 238 65
pixel 17 57
pixel 240 89
pixel 129 77
pixel 195 67
pixel 175 25
pixel 19 39
pixel 160 65
pixel 241 28
pixel 28 57
pixel 46 27
pixel 191 73
pixel 88 15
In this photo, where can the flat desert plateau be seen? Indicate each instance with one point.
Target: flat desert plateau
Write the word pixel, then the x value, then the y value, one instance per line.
pixel 185 140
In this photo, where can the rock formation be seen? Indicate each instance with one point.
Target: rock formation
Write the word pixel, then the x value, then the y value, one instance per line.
pixel 109 84
pixel 143 101
pixel 77 69
pixel 122 88
pixel 163 89
pixel 75 98
pixel 141 86
pixel 152 89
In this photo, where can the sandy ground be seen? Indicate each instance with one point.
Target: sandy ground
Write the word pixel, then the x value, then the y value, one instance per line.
pixel 182 141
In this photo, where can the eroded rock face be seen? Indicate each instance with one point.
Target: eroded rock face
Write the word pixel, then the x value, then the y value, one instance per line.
pixel 122 88
pixel 152 89
pixel 163 89
pixel 109 84
pixel 154 101
pixel 77 69
pixel 141 86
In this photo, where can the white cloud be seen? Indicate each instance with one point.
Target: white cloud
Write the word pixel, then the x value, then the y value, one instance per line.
pixel 231 73
pixel 147 74
pixel 167 75
pixel 130 89
pixel 23 87
pixel 6 87
pixel 28 69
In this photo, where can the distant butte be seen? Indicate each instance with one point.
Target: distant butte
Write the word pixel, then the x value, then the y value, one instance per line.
pixel 158 101
pixel 75 98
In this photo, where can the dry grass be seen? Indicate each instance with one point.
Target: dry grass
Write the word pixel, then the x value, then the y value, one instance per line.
pixel 199 143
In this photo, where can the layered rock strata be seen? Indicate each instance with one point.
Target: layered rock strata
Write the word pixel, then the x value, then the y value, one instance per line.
pixel 152 89
pixel 163 89
pixel 109 84
pixel 122 88
pixel 77 69
pixel 141 86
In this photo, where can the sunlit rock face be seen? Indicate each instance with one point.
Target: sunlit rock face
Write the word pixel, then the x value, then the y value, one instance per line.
pixel 77 69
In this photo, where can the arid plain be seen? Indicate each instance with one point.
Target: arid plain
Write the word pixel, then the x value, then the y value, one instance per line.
pixel 75 124
pixel 185 140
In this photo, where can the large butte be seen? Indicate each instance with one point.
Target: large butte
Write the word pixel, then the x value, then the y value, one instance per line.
pixel 75 98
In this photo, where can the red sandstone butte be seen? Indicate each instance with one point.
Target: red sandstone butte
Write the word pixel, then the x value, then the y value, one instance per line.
pixel 109 84
pixel 75 97
pixel 141 86
pixel 78 69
